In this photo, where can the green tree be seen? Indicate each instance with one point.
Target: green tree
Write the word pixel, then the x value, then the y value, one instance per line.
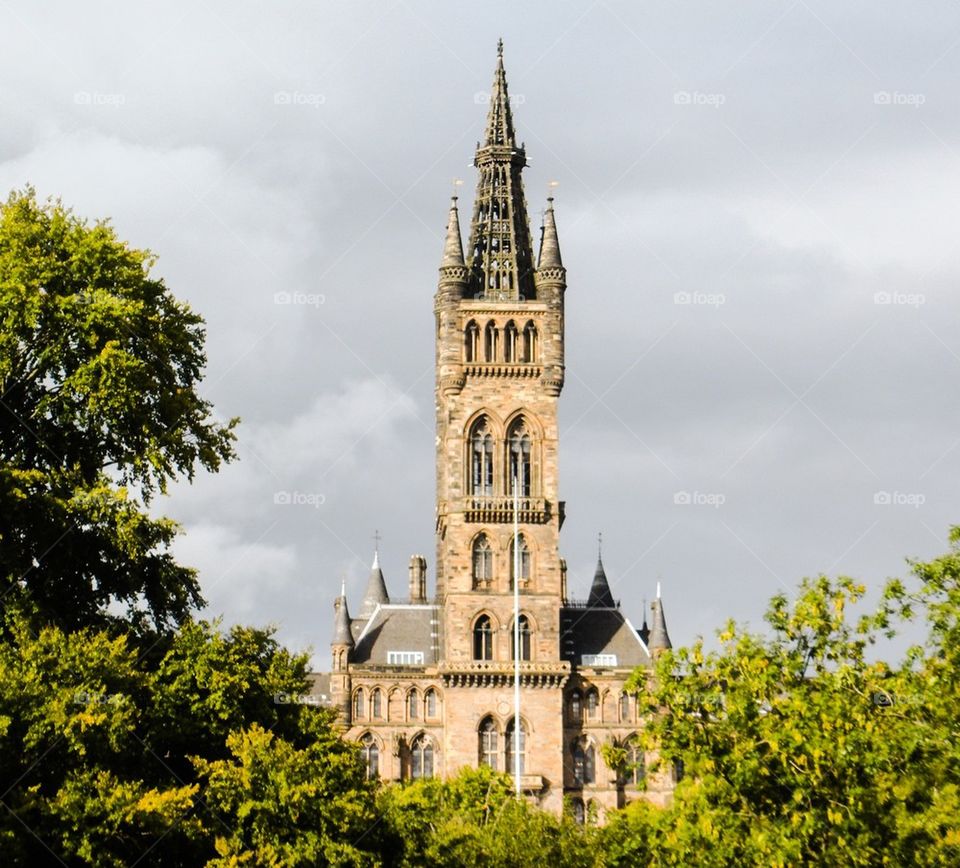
pixel 799 746
pixel 99 411
pixel 109 757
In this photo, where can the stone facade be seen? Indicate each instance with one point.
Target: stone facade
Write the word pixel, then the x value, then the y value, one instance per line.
pixel 427 686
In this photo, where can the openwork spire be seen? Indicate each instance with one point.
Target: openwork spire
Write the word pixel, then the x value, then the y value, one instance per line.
pixel 500 248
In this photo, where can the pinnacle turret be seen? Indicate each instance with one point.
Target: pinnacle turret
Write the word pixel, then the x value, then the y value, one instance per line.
pixel 549 244
pixel 659 638
pixel 452 245
pixel 376 594
pixel 342 634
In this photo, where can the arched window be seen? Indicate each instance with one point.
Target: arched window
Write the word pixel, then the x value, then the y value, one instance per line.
pixel 579 814
pixel 491 338
pixel 584 763
pixel 482 562
pixel 519 448
pixel 524 550
pixel 529 343
pixel 515 744
pixel 593 702
pixel 488 743
pixel 481 458
pixel 371 756
pixel 430 700
pixel 359 709
pixel 624 707
pixel 483 639
pixel 376 703
pixel 510 342
pixel 524 624
pixel 576 709
pixel 413 705
pixel 635 768
pixel 471 342
pixel 421 758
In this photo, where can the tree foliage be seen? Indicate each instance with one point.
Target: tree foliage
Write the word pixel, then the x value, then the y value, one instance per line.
pixel 99 410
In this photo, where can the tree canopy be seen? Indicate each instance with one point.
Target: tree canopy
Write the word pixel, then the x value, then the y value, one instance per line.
pixel 99 410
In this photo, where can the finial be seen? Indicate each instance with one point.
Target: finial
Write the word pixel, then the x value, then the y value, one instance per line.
pixel 599 545
pixel 343 587
pixel 500 48
pixel 658 590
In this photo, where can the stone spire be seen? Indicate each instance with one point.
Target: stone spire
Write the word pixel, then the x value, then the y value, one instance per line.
pixel 342 634
pixel 600 595
pixel 376 589
pixel 500 248
pixel 452 245
pixel 659 638
pixel 549 245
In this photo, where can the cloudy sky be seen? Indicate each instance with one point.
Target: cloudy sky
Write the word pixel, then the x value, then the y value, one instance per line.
pixel 757 206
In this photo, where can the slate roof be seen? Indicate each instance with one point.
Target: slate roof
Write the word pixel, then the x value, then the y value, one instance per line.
pixel 597 630
pixel 396 627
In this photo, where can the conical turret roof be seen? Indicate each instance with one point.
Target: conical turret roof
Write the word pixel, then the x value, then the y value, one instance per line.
pixel 452 245
pixel 376 594
pixel 549 244
pixel 659 638
pixel 600 595
pixel 342 634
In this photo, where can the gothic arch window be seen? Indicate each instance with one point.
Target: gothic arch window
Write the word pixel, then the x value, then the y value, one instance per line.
pixel 593 703
pixel 359 704
pixel 635 768
pixel 530 348
pixel 483 638
pixel 491 341
pixel 524 623
pixel 519 449
pixel 431 703
pixel 421 758
pixel 376 703
pixel 488 743
pixel 513 743
pixel 371 756
pixel 578 811
pixel 584 762
pixel 576 708
pixel 524 551
pixel 511 343
pixel 624 707
pixel 471 342
pixel 482 562
pixel 413 704
pixel 481 458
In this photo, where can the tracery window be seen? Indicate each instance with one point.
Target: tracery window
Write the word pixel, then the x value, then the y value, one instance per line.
pixel 483 639
pixel 482 562
pixel 359 709
pixel 491 340
pixel 624 707
pixel 524 551
pixel 471 340
pixel 524 624
pixel 413 704
pixel 510 342
pixel 515 743
pixel 529 343
pixel 376 703
pixel 593 702
pixel 481 458
pixel 576 709
pixel 519 446
pixel 421 758
pixel 488 743
pixel 371 756
pixel 430 700
pixel 584 763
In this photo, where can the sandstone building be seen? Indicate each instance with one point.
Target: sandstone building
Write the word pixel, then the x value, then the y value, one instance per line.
pixel 426 685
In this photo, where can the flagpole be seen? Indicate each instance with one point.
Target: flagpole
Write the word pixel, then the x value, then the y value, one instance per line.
pixel 517 727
